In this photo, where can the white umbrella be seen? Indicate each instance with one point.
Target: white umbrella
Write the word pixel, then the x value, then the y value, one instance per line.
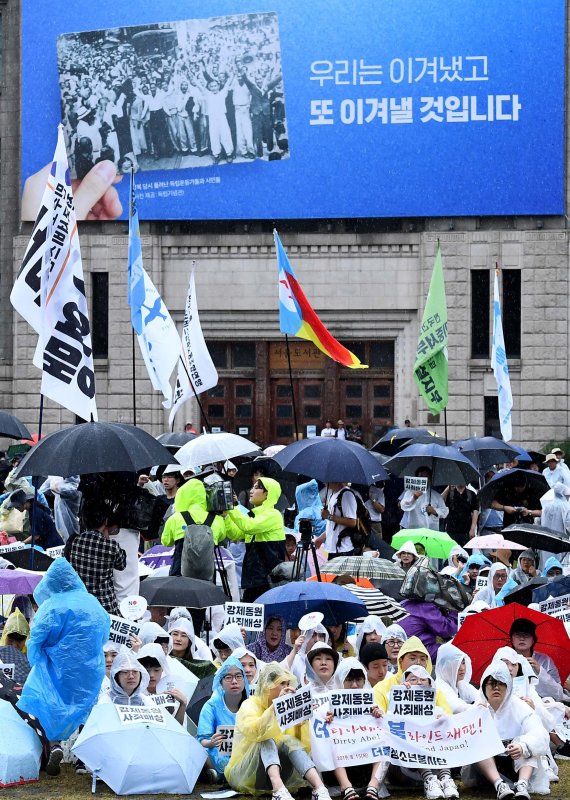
pixel 212 447
pixel 139 757
pixel 20 748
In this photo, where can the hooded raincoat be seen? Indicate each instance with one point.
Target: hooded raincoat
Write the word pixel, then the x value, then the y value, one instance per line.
pixel 382 689
pixel 488 595
pixel 65 650
pixel 310 505
pixel 255 723
pixel 16 623
pixel 345 666
pixel 299 663
pixel 199 659
pixel 117 695
pixel 547 719
pixel 451 569
pixel 317 684
pixel 371 624
pixel 516 721
pixel 264 536
pixel 239 653
pixel 215 713
pixel 459 694
pixel 551 563
pixel 231 636
pixel 517 574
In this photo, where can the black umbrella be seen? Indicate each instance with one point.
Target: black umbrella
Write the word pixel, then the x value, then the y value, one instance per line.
pixel 429 439
pixel 484 451
pixel 94 447
pixel 537 537
pixel 201 694
pixel 176 590
pixel 175 439
pixel 332 461
pixel 535 481
pixel 390 587
pixel 23 559
pixel 391 442
pixel 523 594
pixel 12 428
pixel 447 464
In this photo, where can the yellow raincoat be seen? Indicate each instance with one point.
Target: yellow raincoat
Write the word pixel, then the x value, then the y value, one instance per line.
pixel 255 723
pixel 16 623
pixel 382 689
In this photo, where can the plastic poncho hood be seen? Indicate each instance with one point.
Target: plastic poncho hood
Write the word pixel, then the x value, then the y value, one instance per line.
pixel 231 636
pixel 312 676
pixel 372 624
pixel 65 650
pixel 273 489
pixel 551 563
pixel 419 672
pixel 16 623
pixel 240 652
pixel 229 663
pixel 394 631
pixel 128 661
pixel 477 559
pixel 185 626
pixel 310 505
pixel 346 666
pixel 449 659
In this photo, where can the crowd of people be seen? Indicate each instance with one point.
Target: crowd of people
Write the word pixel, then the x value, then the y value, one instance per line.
pixel 227 678
pixel 205 91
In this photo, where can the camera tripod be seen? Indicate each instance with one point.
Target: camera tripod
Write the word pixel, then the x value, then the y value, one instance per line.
pixel 301 560
pixel 220 568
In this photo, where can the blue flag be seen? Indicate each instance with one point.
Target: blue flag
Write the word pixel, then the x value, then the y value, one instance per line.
pixel 136 276
pixel 501 368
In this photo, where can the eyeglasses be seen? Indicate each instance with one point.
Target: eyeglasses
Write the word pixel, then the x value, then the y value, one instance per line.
pixel 393 642
pixel 233 678
pixel 496 684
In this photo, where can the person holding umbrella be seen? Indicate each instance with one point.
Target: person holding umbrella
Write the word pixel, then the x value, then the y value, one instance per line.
pixel 523 640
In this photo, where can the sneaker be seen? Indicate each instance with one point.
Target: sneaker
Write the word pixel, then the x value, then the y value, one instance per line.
pixel 282 794
pixel 563 752
pixel 504 791
pixel 53 766
pixel 433 789
pixel 521 790
pixel 81 769
pixel 322 793
pixel 448 785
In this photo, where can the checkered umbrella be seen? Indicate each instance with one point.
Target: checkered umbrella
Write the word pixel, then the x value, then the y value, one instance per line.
pixel 364 567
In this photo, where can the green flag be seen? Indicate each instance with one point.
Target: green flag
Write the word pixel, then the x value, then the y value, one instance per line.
pixel 430 369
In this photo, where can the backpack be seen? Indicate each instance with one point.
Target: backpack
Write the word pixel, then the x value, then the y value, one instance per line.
pixel 198 548
pixel 360 533
pixel 424 583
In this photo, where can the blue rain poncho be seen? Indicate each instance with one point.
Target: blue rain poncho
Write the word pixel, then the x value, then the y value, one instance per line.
pixel 551 563
pixel 310 506
pixel 65 650
pixel 215 713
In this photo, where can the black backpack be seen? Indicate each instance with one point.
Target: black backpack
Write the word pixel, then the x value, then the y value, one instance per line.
pixel 360 533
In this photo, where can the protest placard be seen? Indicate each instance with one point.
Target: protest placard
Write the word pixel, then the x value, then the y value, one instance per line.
pixel 563 614
pixel 553 605
pixel 461 618
pixel 7 670
pixel 164 700
pixel 413 484
pixel 122 630
pixel 246 615
pixel 133 607
pixel 292 709
pixel 227 734
pixel 356 740
pixel 149 715
pixel 417 701
pixel 11 548
pixel 520 686
pixel 481 582
pixel 351 703
pixel 447 741
pixel 55 552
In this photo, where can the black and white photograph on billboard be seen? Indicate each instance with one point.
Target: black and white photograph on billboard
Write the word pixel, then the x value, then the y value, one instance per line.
pixel 174 95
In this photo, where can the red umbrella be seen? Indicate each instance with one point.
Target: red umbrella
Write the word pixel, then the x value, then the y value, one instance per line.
pixel 482 634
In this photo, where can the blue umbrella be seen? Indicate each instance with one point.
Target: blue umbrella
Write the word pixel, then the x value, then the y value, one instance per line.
pixel 295 599
pixel 556 588
pixel 522 454
pixel 20 748
pixel 332 461
pixel 447 464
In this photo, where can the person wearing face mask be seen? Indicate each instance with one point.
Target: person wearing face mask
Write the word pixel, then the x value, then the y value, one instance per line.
pixel 525 740
pixel 393 638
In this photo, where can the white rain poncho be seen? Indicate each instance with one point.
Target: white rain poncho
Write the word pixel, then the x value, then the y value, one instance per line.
pixel 459 694
pixel 371 624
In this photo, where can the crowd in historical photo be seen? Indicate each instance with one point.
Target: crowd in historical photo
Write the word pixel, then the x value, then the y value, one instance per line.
pixel 177 95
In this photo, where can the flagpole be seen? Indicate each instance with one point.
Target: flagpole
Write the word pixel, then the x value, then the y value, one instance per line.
pixel 34 512
pixel 133 360
pixel 208 426
pixel 292 389
pixel 445 425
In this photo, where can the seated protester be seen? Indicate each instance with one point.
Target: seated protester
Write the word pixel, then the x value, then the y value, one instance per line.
pixel 456 561
pixel 522 733
pixel 375 659
pixel 453 676
pixel 473 566
pixel 430 623
pixel 227 640
pixel 184 649
pixel 263 756
pixel 406 556
pixel 525 569
pixel 295 661
pixel 338 634
pixel 518 667
pixel 350 674
pixel 251 665
pixel 129 681
pixel 202 650
pixel 190 498
pixel 16 631
pixel 552 569
pixel 496 582
pixel 153 659
pixel 264 537
pixel 411 653
pixel 321 663
pixel 523 639
pixel 393 638
pixel 110 651
pixel 229 690
pixel 45 532
pixel 370 630
pixel 270 645
pixel 152 633
pixel 437 783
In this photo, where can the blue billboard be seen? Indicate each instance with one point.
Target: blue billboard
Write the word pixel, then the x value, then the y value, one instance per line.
pixel 241 109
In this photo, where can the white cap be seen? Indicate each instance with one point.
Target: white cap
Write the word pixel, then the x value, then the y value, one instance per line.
pixel 168 470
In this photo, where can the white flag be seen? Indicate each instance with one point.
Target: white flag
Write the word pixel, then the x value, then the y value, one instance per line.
pixel 49 293
pixel 501 368
pixel 197 360
pixel 159 340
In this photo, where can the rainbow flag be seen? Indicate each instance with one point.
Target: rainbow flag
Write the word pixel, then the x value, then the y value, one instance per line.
pixel 298 318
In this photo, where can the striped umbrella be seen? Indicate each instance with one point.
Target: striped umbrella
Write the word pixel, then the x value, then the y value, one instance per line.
pixel 378 603
pixel 364 567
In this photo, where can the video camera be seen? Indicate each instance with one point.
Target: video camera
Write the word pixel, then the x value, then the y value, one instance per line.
pixel 219 494
pixel 306 531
